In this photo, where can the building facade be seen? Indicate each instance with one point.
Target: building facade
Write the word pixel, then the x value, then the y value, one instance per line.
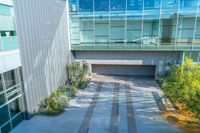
pixel 44 47
pixel 11 91
pixel 134 37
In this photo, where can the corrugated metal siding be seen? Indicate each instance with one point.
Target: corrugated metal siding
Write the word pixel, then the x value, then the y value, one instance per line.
pixel 44 46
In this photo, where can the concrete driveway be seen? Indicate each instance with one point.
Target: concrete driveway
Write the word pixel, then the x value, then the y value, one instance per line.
pixel 109 104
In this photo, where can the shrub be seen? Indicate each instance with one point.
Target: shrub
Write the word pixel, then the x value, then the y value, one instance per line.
pixel 70 90
pixel 83 84
pixel 54 103
pixel 73 90
pixel 182 85
pixel 74 70
pixel 78 71
pixel 58 99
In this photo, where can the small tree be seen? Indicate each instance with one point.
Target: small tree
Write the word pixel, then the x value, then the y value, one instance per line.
pixel 182 85
pixel 78 71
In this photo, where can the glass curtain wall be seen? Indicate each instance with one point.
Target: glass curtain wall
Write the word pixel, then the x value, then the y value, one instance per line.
pixel 8 39
pixel 168 24
pixel 11 105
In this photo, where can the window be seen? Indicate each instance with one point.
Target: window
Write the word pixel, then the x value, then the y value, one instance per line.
pixel 15 107
pixel 101 5
pixel 185 30
pixel 6 128
pixel 151 4
pixel 118 5
pixel 150 32
pixel 134 31
pixel 5 10
pixel 86 31
pixel 85 5
pixel 11 78
pixel 102 31
pixel 17 120
pixel 134 5
pixel 73 5
pixel 117 31
pixel 4 115
pixel 2 99
pixel 1 83
pixel 188 3
pixel 7 33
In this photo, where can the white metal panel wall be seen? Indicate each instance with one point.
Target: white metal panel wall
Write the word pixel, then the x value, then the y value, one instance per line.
pixel 42 27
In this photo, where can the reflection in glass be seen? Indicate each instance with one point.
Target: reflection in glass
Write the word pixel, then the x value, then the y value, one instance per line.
pixel 185 30
pixel 151 4
pixel 133 5
pixel 11 78
pixel 17 120
pixel 85 5
pixel 101 31
pixel 1 83
pixel 134 32
pixel 117 30
pixel 73 5
pixel 101 5
pixel 150 32
pixel 118 5
pixel 148 22
pixel 86 31
pixel 197 31
pixel 4 115
pixel 15 107
pixel 2 99
pixel 6 129
pixel 5 10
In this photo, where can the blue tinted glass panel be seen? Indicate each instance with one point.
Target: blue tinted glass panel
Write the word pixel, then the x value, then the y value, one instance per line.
pixel 2 99
pixel 17 120
pixel 188 6
pixel 101 5
pixel 197 33
pixel 118 5
pixel 188 3
pixel 151 4
pixel 170 4
pixel 5 10
pixel 4 115
pixel 1 84
pixel 85 5
pixel 134 5
pixel 6 129
pixel 15 107
pixel 73 4
pixel 11 78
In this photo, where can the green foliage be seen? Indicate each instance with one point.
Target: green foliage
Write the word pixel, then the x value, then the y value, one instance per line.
pixel 78 71
pixel 74 70
pixel 55 103
pixel 83 84
pixel 182 85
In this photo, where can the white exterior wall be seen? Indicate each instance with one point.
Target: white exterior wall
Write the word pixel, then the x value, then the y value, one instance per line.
pixel 7 2
pixel 9 60
pixel 42 27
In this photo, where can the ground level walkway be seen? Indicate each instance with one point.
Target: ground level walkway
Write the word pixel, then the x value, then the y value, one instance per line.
pixel 108 105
